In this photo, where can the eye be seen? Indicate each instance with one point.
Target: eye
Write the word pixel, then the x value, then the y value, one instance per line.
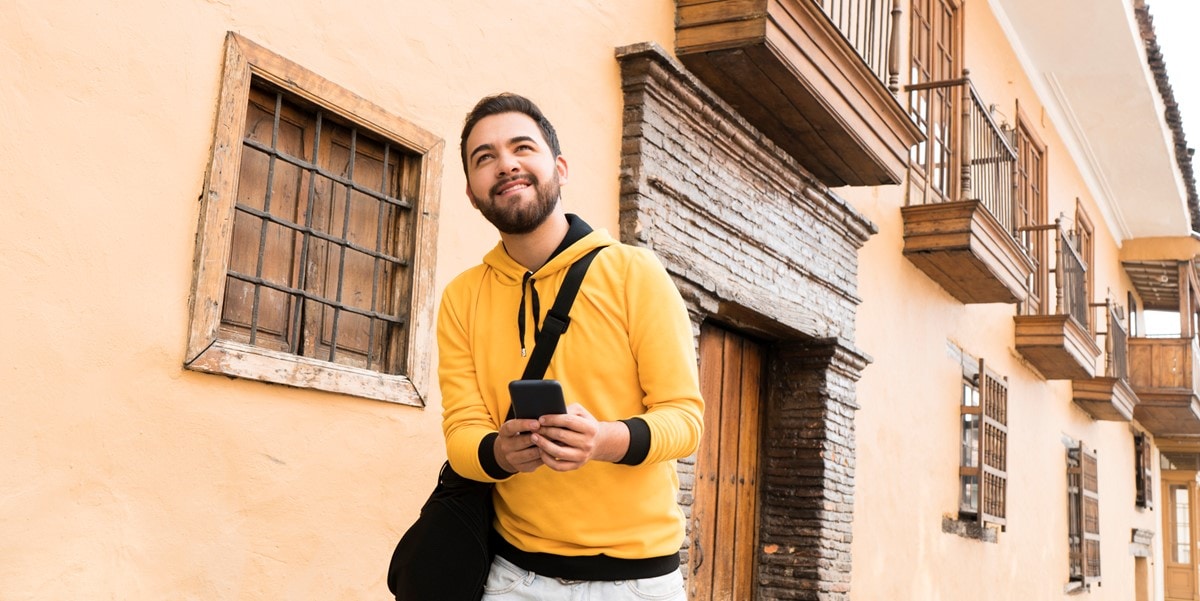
pixel 483 157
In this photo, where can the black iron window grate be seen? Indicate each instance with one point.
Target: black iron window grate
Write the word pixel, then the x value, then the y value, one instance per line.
pixel 321 237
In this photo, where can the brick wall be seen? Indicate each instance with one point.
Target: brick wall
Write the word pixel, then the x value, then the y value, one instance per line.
pixel 756 243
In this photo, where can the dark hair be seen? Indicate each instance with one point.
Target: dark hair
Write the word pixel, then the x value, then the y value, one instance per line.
pixel 506 103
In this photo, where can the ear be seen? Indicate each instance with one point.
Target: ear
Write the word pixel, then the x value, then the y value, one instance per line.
pixel 560 164
pixel 471 197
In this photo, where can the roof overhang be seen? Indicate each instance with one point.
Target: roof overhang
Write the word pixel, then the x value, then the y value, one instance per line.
pixel 1088 64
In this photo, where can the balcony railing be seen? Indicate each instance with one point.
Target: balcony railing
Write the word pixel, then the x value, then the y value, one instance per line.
pixel 1059 342
pixel 985 157
pixel 1116 343
pixel 1070 273
pixel 868 26
pixel 1109 396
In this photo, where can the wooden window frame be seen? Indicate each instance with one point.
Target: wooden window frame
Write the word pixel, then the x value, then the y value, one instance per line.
pixel 1032 207
pixel 933 183
pixel 1085 244
pixel 207 350
pixel 1143 457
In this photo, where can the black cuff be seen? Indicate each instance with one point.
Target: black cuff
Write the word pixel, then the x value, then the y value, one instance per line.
pixel 639 441
pixel 487 457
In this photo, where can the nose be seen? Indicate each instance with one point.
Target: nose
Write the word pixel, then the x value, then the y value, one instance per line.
pixel 507 163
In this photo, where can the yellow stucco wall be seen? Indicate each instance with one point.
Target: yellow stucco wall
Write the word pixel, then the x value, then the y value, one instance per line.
pixel 127 477
pixel 908 426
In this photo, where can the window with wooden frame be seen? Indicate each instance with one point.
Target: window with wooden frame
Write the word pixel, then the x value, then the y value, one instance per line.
pixel 1031 208
pixel 1084 241
pixel 983 471
pixel 317 232
pixel 934 50
pixel 1083 510
pixel 1143 470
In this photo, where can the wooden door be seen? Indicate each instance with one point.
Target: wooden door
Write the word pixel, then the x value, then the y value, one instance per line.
pixel 725 510
pixel 1179 535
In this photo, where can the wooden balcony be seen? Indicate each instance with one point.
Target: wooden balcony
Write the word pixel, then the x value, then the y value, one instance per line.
pixel 963 235
pixel 1057 345
pixel 1105 398
pixel 811 76
pixel 1165 374
pixel 966 250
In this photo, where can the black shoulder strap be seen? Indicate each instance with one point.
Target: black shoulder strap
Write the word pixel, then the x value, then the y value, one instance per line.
pixel 558 318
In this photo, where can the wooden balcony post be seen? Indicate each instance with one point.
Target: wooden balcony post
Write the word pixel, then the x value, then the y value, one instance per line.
pixel 894 51
pixel 1059 276
pixel 1185 300
pixel 965 124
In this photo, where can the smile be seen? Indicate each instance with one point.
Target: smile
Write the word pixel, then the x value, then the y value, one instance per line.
pixel 511 186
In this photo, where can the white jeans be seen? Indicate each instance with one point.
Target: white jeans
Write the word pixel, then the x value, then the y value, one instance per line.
pixel 507 582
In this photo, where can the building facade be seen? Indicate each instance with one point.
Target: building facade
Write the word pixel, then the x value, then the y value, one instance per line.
pixel 927 247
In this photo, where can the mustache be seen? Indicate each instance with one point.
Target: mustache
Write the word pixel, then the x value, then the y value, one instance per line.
pixel 527 178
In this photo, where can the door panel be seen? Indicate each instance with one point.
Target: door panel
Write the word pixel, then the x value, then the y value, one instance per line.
pixel 725 510
pixel 1179 536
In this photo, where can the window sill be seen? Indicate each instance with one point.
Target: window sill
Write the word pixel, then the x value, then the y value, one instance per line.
pixel 969 529
pixel 244 361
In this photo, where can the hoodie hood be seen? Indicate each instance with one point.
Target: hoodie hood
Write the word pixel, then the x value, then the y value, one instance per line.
pixel 580 240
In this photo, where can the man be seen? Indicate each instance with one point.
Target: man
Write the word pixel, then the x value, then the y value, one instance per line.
pixel 585 502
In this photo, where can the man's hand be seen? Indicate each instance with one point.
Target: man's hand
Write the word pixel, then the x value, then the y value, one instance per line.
pixel 567 442
pixel 514 448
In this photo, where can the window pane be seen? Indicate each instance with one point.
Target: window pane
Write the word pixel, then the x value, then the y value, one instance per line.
pixel 1181 548
pixel 969 495
pixel 970 440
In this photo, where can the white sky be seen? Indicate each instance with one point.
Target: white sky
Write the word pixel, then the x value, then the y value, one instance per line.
pixel 1177 25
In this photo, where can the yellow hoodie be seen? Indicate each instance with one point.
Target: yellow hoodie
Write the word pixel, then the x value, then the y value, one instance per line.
pixel 628 353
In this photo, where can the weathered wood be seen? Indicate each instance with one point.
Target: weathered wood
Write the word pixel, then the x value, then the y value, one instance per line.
pixel 1104 398
pixel 966 251
pixel 725 512
pixel 1165 374
pixel 1057 346
pixel 794 50
pixel 703 554
pixel 206 350
pixel 244 361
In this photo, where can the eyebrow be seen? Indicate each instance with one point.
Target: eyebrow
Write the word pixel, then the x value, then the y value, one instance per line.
pixel 511 141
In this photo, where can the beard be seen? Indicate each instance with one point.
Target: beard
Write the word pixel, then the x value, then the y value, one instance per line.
pixel 516 217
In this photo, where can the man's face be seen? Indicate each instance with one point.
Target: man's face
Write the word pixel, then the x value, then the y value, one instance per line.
pixel 513 177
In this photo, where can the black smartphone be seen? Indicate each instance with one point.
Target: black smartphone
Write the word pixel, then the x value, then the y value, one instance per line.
pixel 532 399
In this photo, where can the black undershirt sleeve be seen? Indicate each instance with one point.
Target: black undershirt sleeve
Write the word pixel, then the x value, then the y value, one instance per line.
pixel 487 457
pixel 639 441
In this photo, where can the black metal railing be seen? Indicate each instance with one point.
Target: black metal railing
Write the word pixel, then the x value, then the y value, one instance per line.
pixel 982 151
pixel 869 26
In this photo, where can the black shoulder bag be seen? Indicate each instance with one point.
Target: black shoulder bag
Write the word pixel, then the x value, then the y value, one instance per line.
pixel 445 555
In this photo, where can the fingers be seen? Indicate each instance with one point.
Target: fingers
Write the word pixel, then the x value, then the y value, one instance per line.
pixel 514 448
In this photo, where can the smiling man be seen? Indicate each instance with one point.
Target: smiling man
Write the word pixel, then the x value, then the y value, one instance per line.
pixel 585 502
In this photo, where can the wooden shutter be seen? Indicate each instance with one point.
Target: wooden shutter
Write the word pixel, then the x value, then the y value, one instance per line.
pixel 264 248
pixel 319 258
pixel 993 448
pixel 1143 471
pixel 1084 495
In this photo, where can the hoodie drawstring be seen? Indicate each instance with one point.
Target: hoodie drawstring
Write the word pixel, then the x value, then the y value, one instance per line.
pixel 537 310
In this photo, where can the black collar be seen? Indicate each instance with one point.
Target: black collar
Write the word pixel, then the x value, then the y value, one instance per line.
pixel 577 229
